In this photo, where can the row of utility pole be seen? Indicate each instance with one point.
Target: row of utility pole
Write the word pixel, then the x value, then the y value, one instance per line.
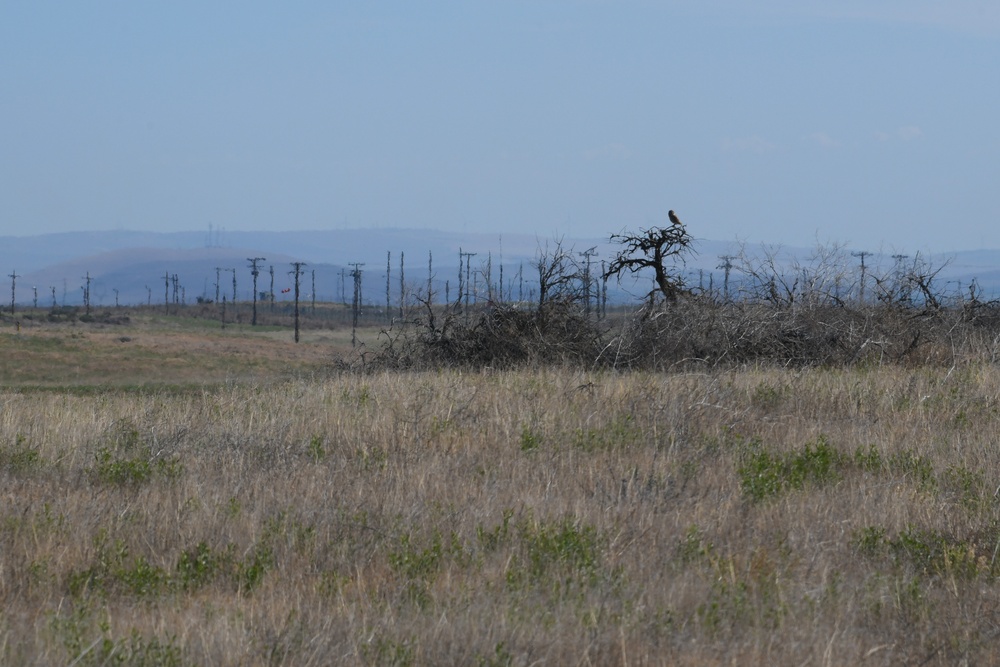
pixel 727 266
pixel 173 288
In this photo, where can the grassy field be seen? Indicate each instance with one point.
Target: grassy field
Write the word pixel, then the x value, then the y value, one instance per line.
pixel 154 350
pixel 194 497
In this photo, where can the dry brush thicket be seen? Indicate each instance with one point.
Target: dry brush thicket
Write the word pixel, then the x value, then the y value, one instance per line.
pixel 815 516
pixel 819 311
pixel 695 333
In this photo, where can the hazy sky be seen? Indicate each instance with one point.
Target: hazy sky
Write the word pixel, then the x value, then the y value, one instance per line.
pixel 867 122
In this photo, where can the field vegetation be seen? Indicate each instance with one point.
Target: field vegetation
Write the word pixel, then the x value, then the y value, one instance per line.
pixel 514 517
pixel 701 481
pixel 136 347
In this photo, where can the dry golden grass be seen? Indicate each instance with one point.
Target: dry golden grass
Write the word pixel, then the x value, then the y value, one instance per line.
pixel 152 350
pixel 822 517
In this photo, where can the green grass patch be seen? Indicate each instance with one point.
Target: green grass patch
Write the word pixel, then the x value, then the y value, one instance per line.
pixel 764 474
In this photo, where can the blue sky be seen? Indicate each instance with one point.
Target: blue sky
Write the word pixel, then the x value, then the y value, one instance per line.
pixel 875 124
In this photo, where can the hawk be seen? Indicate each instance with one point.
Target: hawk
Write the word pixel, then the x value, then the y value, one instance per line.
pixel 674 220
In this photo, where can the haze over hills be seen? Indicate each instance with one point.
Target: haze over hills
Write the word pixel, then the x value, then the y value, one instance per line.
pixel 140 265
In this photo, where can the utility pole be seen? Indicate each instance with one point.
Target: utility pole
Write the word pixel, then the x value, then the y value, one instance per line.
pixel 726 266
pixel 271 293
pixel 489 276
pixel 402 287
pixel 502 298
pixel 861 290
pixel 343 289
pixel 35 301
pixel 356 274
pixel 604 291
pixel 461 261
pixel 254 272
pixel 218 279
pixel 115 290
pixel 430 278
pixel 13 279
pixel 388 272
pixel 86 294
pixel 468 263
pixel 166 292
pixel 587 254
pixel 53 297
pixel 520 284
pixel 298 270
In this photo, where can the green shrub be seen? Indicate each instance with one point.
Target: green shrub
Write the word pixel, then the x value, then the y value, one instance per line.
pixel 766 475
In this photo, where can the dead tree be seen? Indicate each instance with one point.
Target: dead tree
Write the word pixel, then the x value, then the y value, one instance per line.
pixel 557 274
pixel 659 249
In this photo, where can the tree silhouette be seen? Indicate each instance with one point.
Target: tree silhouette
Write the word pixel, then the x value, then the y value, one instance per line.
pixel 659 249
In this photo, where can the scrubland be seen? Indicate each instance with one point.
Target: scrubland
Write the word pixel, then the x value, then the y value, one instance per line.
pixel 815 516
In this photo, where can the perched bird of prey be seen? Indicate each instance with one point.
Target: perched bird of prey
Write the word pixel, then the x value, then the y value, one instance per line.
pixel 673 218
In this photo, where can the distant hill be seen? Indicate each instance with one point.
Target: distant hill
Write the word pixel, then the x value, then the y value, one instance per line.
pixel 141 265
